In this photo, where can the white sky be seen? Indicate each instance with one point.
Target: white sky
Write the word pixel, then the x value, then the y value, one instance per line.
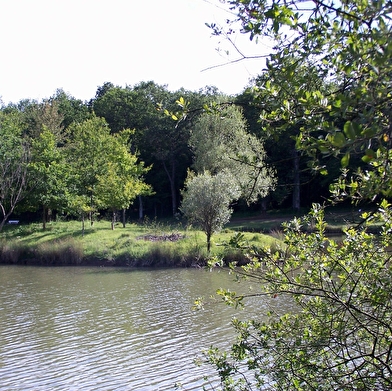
pixel 77 45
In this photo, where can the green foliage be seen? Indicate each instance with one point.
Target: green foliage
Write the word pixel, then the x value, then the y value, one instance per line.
pixel 14 160
pixel 70 108
pixel 339 334
pixel 161 143
pixel 206 201
pixel 103 173
pixel 48 172
pixel 37 115
pixel 157 141
pixel 220 142
pixel 328 77
pixel 331 79
pixel 121 180
pixel 150 244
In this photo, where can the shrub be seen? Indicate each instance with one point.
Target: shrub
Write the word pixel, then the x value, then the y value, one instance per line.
pixel 339 335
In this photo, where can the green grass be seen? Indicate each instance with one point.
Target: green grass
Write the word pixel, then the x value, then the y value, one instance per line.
pixel 63 243
pixel 337 218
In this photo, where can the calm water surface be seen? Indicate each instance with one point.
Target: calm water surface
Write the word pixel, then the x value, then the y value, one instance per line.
pixel 110 329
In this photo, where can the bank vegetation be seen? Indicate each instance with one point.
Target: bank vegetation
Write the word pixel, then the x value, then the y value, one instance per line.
pixel 148 244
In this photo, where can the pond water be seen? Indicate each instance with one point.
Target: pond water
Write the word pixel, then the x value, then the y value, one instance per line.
pixel 74 328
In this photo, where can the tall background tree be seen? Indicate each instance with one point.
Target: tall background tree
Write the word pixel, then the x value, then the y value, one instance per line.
pixel 220 142
pixel 122 178
pixel 14 161
pixel 48 173
pixel 160 143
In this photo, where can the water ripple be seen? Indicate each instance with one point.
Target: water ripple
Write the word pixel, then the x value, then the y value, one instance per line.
pixel 83 329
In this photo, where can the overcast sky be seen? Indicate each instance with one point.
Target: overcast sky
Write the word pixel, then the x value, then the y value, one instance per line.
pixel 77 45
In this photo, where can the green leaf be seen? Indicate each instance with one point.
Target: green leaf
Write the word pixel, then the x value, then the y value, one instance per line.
pixel 345 160
pixel 338 140
pixel 323 149
pixel 337 103
pixel 357 128
pixel 369 156
pixel 181 102
pixel 348 130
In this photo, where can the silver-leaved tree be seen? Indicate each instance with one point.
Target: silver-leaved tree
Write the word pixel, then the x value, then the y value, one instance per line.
pixel 206 201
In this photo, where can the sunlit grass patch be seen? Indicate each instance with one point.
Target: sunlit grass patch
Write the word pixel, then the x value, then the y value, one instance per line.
pixel 135 245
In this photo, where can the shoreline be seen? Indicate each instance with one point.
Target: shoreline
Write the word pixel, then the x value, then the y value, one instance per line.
pixel 95 261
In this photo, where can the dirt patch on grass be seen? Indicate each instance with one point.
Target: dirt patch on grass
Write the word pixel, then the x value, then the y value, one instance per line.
pixel 173 237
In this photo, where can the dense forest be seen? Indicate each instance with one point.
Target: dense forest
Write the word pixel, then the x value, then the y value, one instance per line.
pixel 130 149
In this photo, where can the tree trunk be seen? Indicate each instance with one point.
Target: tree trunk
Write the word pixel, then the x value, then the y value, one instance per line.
pixel 91 211
pixel 49 215
pixel 171 176
pixel 296 182
pixel 208 242
pixel 82 223
pixel 113 219
pixel 43 217
pixel 140 208
pixel 13 187
pixel 123 217
pixel 5 218
pixel 264 205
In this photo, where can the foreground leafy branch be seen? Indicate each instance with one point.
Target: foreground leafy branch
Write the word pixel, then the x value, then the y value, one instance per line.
pixel 339 333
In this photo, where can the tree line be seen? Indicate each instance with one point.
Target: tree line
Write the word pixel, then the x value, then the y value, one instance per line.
pixel 315 124
pixel 62 154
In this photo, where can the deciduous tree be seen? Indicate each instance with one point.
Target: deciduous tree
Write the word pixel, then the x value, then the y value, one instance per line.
pixel 122 179
pixel 87 151
pixel 14 160
pixel 104 174
pixel 220 142
pixel 48 172
pixel 344 49
pixel 338 334
pixel 206 200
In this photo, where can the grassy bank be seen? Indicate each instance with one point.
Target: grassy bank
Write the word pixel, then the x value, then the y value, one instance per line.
pixel 144 245
pixel 152 243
